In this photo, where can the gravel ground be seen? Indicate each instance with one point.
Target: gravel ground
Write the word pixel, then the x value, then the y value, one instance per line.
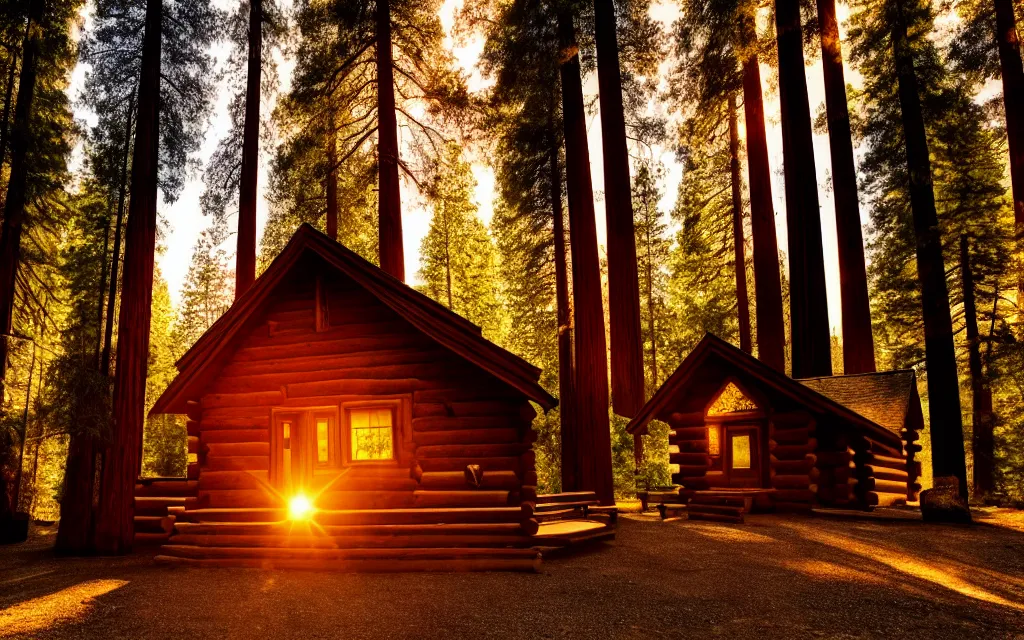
pixel 791 576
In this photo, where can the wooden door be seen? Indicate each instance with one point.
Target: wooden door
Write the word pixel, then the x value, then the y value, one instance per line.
pixel 305 450
pixel 742 456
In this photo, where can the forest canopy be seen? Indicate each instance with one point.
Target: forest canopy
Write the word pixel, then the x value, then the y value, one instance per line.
pixel 473 139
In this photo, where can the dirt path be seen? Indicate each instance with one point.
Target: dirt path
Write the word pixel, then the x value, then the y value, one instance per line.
pixel 773 577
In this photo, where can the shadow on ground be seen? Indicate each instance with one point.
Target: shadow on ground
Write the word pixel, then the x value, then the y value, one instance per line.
pixel 791 576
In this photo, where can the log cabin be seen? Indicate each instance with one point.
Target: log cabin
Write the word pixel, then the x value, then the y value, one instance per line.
pixel 339 418
pixel 743 435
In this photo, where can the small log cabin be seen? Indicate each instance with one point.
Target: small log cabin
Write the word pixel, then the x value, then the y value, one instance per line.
pixel 406 432
pixel 738 426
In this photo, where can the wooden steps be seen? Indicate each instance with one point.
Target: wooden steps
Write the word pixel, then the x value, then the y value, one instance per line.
pixel 572 519
pixel 430 539
pixel 714 506
pixel 158 503
pixel 356 560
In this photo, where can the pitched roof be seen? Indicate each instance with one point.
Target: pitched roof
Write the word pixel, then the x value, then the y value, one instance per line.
pixel 436 321
pixel 883 398
pixel 713 347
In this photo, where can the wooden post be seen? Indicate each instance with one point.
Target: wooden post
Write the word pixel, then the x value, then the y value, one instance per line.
pixel 245 257
pixel 739 260
pixel 808 307
pixel 858 343
pixel 771 339
pixel 594 450
pixel 623 287
pixel 389 202
pixel 115 516
pixel 943 384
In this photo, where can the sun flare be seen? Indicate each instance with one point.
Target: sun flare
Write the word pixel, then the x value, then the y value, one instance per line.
pixel 300 508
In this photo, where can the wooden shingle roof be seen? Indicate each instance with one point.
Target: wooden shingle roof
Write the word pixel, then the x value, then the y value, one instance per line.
pixel 884 398
pixel 434 320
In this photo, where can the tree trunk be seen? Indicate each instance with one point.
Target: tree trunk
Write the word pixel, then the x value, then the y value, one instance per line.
pixel 8 95
pixel 332 182
pixel 858 343
pixel 947 436
pixel 566 375
pixel 982 418
pixel 114 520
pixel 100 305
pixel 74 532
pixel 14 205
pixel 1012 71
pixel 108 330
pixel 739 260
pixel 808 306
pixel 771 338
pixel 245 256
pixel 594 450
pixel 389 202
pixel 627 351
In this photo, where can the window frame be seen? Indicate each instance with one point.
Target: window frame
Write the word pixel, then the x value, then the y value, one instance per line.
pixel 346 430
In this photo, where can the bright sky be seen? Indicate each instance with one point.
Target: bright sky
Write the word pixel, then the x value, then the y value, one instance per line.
pixel 186 222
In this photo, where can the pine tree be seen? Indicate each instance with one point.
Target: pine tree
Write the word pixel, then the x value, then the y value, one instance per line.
pixel 361 66
pixel 206 293
pixel 458 258
pixel 34 206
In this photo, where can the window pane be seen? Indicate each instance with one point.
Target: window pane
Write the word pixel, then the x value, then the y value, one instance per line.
pixel 321 440
pixel 714 445
pixel 287 435
pixel 741 452
pixel 371 431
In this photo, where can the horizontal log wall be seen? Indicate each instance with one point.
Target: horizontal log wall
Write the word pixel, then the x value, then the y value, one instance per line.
pixel 688 438
pixel 460 416
pixel 792 445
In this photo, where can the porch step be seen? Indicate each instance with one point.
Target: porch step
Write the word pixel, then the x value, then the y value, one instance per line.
pixel 362 540
pixel 378 559
pixel 362 516
pixel 718 507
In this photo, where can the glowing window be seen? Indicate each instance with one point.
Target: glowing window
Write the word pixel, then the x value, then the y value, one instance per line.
pixel 731 400
pixel 741 452
pixel 322 440
pixel 714 445
pixel 287 435
pixel 371 432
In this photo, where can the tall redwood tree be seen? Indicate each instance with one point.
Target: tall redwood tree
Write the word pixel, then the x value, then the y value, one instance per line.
pixel 771 328
pixel 389 202
pixel 245 258
pixel 14 212
pixel 114 530
pixel 858 343
pixel 566 373
pixel 945 422
pixel 808 308
pixel 739 259
pixel 1012 70
pixel 594 455
pixel 623 287
pixel 982 417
